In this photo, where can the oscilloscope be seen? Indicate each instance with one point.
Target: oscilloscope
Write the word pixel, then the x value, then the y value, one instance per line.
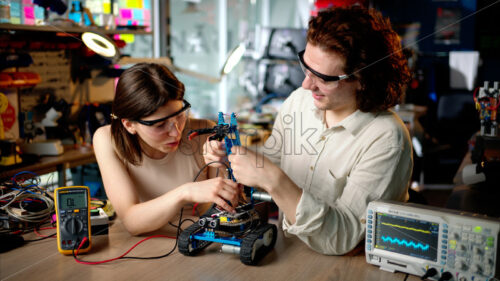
pixel 414 238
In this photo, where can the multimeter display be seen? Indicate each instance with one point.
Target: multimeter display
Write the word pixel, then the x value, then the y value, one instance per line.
pixel 73 218
pixel 73 201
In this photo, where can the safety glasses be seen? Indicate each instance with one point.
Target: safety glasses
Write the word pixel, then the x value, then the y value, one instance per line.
pixel 308 71
pixel 182 111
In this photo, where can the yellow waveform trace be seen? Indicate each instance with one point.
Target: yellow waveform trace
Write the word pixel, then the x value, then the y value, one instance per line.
pixel 409 228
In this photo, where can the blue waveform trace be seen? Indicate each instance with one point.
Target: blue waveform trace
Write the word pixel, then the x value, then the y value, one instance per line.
pixel 405 243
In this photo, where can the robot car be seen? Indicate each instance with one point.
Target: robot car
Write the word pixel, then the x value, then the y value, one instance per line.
pixel 244 232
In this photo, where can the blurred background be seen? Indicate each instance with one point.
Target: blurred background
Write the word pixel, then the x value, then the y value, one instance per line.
pixel 56 89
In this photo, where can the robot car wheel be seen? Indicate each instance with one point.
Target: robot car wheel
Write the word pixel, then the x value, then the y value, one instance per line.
pixel 258 243
pixel 186 245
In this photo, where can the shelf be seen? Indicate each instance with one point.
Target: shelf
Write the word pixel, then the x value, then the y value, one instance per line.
pixel 53 28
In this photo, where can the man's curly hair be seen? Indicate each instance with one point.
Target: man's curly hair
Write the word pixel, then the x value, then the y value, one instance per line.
pixel 372 52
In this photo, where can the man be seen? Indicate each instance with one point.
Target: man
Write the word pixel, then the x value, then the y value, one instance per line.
pixel 335 146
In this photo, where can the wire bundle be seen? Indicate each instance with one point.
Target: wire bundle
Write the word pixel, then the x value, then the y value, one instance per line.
pixel 26 200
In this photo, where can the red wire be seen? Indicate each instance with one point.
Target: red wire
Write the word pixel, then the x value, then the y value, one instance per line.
pixel 193 212
pixel 113 259
pixel 474 95
pixel 43 228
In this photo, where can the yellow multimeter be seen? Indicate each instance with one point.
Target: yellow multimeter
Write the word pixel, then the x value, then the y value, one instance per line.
pixel 73 218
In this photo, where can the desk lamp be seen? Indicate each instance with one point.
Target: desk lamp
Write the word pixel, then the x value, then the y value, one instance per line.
pixel 101 45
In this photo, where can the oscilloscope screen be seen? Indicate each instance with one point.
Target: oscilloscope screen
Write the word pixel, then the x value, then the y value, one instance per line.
pixel 416 238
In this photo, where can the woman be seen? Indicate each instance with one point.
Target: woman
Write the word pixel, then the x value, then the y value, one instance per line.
pixel 146 162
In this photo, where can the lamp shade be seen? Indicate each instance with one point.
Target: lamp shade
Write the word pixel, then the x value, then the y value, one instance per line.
pixel 233 59
pixel 101 45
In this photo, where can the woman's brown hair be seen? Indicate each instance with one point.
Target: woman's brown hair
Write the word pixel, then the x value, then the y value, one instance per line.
pixel 141 90
pixel 371 49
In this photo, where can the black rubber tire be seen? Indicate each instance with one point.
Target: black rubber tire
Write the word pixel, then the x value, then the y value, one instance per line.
pixel 248 255
pixel 185 242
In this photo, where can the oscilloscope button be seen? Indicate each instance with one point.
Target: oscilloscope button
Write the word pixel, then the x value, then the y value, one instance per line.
pixel 370 231
pixel 487 271
pixel 370 211
pixel 369 236
pixel 370 217
pixel 477 258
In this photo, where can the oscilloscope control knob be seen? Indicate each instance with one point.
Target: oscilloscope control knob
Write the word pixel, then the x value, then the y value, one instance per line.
pixel 74 225
pixel 461 265
pixel 477 251
pixel 462 249
pixel 477 268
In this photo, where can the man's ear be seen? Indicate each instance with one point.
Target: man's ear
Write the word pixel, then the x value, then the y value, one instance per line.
pixel 129 126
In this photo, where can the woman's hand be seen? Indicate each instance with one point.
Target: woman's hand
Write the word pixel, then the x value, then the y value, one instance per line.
pixel 215 151
pixel 217 190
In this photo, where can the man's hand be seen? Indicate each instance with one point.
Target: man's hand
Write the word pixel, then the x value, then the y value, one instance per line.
pixel 253 169
pixel 256 170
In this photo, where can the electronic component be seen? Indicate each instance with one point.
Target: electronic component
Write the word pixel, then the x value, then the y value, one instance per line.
pixel 487 102
pixel 283 77
pixel 99 222
pixel 244 233
pixel 73 218
pixel 415 238
pixel 285 43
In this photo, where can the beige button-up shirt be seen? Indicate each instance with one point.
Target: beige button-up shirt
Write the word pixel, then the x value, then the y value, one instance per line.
pixel 367 156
